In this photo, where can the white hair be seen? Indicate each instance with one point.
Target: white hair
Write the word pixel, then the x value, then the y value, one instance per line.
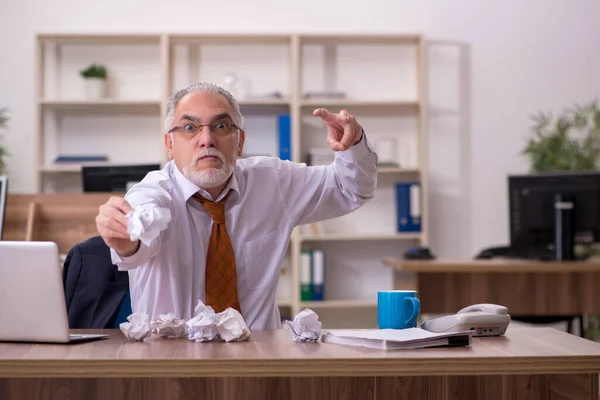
pixel 203 87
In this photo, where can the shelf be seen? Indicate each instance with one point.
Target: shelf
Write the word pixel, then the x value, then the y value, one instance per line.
pixel 375 38
pixel 76 167
pixel 226 38
pixel 338 304
pixel 264 102
pixel 348 102
pixel 100 38
pixel 117 104
pixel 361 237
pixel 58 104
pixel 397 170
pixel 52 169
pixel 284 303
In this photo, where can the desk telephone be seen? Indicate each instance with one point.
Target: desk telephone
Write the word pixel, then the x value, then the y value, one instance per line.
pixel 483 319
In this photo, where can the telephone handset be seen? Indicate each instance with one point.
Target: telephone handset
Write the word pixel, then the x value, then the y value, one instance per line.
pixel 483 319
pixel 486 308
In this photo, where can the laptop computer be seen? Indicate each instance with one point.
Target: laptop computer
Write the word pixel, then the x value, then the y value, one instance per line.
pixel 32 299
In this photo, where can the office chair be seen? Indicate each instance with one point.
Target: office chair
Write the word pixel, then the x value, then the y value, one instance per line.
pixel 96 292
pixel 507 252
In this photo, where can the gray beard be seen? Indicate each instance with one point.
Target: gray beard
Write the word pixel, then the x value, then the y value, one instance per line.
pixel 208 178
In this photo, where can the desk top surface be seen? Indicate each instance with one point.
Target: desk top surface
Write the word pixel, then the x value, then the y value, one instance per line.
pixel 493 265
pixel 273 353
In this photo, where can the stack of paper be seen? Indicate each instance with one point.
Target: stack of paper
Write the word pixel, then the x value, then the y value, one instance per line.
pixel 396 339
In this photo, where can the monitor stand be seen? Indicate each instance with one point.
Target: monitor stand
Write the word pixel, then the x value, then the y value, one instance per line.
pixel 564 242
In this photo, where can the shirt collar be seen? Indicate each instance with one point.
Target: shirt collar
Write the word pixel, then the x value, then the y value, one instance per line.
pixel 188 189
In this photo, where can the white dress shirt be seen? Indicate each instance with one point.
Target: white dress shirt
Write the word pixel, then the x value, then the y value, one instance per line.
pixel 270 197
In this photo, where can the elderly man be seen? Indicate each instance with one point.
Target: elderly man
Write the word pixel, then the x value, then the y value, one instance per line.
pixel 231 219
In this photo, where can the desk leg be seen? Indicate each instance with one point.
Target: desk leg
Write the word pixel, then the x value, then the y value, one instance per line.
pixel 534 387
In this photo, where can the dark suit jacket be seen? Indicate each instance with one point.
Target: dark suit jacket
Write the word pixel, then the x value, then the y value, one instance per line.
pixel 94 288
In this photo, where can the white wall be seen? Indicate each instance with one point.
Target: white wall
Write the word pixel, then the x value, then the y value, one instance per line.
pixel 492 65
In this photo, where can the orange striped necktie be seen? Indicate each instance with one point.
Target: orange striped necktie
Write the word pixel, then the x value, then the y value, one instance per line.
pixel 221 274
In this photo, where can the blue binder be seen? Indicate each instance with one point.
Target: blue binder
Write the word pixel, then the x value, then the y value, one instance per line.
pixel 285 136
pixel 318 274
pixel 408 205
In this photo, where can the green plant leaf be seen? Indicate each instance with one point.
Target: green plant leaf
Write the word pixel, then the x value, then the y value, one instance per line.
pixel 541 122
pixel 94 71
pixel 596 119
pixel 3 117
pixel 570 142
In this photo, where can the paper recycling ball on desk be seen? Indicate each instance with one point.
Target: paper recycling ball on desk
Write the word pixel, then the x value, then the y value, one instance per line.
pixel 305 327
pixel 203 326
pixel 232 327
pixel 137 328
pixel 168 326
pixel 208 326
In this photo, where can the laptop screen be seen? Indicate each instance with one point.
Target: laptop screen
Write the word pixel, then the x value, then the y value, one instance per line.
pixel 3 195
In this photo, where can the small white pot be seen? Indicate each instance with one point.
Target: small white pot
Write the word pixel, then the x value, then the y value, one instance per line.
pixel 95 88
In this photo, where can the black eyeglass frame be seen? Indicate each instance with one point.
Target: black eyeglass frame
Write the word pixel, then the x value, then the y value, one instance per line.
pixel 180 127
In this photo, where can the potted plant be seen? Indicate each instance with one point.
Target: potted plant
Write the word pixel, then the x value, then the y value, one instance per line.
pixel 570 142
pixel 3 153
pixel 95 77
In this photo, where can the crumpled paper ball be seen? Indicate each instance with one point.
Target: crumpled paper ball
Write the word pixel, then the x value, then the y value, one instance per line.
pixel 138 328
pixel 208 326
pixel 305 327
pixel 203 326
pixel 232 327
pixel 169 326
pixel 146 221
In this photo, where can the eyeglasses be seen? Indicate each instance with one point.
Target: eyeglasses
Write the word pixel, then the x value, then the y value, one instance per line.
pixel 218 128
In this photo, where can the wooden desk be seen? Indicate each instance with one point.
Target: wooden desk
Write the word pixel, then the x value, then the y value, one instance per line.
pixel 525 287
pixel 527 363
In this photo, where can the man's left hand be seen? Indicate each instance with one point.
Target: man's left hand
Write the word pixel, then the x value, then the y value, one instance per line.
pixel 342 129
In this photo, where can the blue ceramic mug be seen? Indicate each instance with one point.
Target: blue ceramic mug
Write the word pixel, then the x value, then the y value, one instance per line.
pixel 397 309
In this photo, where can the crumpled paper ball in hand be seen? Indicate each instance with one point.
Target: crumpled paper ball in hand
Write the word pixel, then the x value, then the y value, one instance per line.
pixel 306 326
pixel 232 327
pixel 203 326
pixel 138 328
pixel 168 326
pixel 146 222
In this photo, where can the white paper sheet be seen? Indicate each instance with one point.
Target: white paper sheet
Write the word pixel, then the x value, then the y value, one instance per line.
pixel 410 338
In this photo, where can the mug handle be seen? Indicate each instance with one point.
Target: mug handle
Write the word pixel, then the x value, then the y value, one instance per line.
pixel 416 309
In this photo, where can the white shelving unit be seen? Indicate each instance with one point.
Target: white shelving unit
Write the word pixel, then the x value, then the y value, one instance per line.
pixel 145 69
pixel 359 238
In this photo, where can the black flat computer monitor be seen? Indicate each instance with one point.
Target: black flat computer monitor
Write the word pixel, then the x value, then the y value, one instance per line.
pixel 3 196
pixel 114 178
pixel 552 212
